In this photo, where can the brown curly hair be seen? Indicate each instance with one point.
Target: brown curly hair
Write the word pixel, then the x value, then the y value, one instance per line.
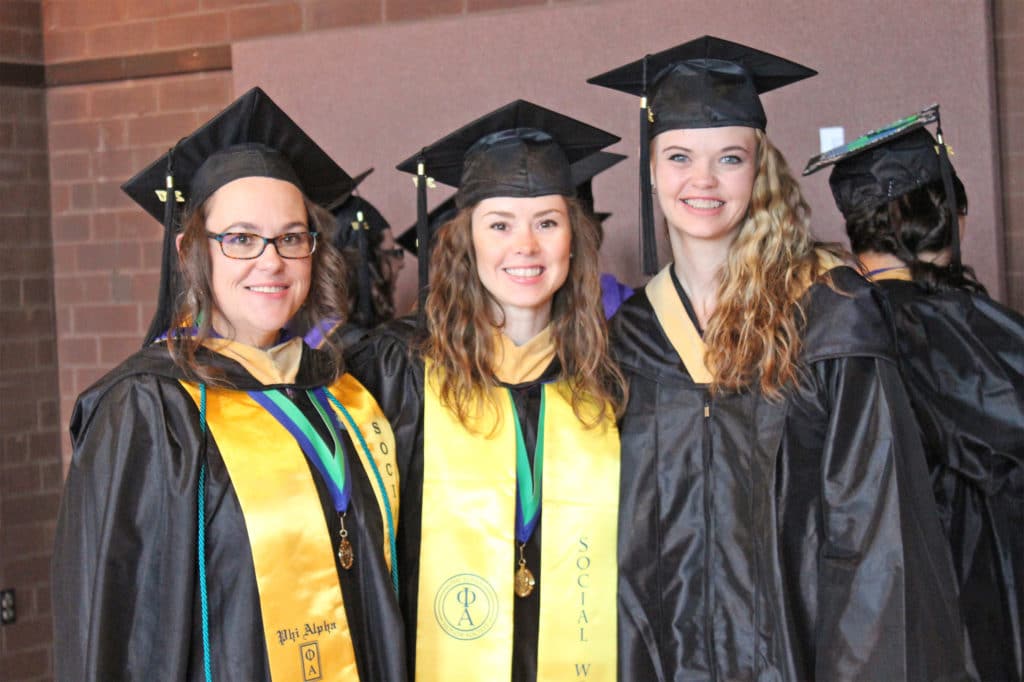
pixel 753 336
pixel 325 300
pixel 460 324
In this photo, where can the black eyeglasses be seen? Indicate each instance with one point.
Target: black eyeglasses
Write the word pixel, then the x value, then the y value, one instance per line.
pixel 247 246
pixel 397 252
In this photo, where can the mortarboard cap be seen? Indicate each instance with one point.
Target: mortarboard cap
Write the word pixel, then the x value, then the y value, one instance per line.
pixel 886 163
pixel 705 83
pixel 441 214
pixel 518 150
pixel 583 173
pixel 251 137
pixel 355 219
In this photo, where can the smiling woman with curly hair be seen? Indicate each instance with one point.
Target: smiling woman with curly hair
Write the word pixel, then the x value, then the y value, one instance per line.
pixel 504 407
pixel 775 520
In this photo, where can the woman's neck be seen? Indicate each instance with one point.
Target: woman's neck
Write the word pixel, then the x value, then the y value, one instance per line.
pixel 873 261
pixel 697 264
pixel 522 324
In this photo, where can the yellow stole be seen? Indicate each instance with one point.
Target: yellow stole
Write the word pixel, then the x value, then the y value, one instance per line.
pixel 678 326
pixel 305 627
pixel 468 546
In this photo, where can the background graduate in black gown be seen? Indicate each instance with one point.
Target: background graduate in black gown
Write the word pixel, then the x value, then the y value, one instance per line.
pixel 513 327
pixel 776 521
pixel 962 359
pixel 200 532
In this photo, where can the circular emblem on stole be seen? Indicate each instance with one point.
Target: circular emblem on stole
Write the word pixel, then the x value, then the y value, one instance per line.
pixel 466 606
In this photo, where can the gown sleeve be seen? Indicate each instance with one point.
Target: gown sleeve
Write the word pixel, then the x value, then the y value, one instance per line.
pixel 887 606
pixel 124 561
pixel 385 364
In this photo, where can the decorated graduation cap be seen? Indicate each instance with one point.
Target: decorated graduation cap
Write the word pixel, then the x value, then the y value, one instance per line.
pixel 886 163
pixel 705 83
pixel 252 137
pixel 519 150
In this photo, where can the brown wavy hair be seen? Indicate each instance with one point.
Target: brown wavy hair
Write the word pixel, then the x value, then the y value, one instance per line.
pixel 753 336
pixel 325 300
pixel 460 325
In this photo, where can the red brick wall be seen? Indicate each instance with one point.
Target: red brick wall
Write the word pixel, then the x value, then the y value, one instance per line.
pixel 1008 28
pixel 30 459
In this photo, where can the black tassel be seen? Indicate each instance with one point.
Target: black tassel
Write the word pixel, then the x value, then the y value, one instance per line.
pixel 362 229
pixel 946 167
pixel 422 234
pixel 648 240
pixel 168 291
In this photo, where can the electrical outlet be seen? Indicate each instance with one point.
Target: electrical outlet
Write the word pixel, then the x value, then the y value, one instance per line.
pixel 8 614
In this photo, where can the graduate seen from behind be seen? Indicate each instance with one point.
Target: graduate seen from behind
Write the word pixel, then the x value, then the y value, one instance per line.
pixel 776 520
pixel 504 414
pixel 962 359
pixel 228 510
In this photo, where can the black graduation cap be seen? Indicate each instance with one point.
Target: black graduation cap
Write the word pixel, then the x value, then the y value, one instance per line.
pixel 705 83
pixel 583 174
pixel 441 214
pixel 251 137
pixel 518 150
pixel 886 163
pixel 355 219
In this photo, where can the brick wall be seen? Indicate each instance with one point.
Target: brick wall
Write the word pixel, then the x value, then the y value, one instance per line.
pixel 1008 28
pixel 30 461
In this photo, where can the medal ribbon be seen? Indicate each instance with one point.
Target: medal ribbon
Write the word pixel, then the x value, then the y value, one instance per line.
pixel 333 466
pixel 528 488
pixel 466 595
pixel 304 622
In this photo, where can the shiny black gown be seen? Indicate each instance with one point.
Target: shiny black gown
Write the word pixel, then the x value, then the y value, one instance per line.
pixel 962 359
pixel 790 540
pixel 125 595
pixel 392 371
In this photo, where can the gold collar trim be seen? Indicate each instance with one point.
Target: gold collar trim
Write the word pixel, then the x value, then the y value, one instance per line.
pixel 276 365
pixel 518 364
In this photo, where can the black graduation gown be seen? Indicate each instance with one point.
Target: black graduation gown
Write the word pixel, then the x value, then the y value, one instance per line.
pixel 125 595
pixel 793 540
pixel 962 359
pixel 384 364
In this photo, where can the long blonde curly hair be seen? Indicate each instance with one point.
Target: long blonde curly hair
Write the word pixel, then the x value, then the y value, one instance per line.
pixel 754 334
pixel 461 325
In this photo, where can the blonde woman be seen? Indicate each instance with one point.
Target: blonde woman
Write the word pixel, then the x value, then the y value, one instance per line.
pixel 775 513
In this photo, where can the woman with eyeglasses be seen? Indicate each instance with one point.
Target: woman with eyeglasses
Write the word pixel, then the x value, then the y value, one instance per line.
pixel 229 509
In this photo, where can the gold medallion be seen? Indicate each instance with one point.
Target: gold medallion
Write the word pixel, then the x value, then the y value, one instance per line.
pixel 524 581
pixel 345 555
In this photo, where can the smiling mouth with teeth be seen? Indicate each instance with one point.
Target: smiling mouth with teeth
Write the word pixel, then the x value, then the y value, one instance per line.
pixel 703 203
pixel 525 272
pixel 267 290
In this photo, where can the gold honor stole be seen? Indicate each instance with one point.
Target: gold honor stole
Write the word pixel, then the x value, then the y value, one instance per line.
pixel 468 544
pixel 304 623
